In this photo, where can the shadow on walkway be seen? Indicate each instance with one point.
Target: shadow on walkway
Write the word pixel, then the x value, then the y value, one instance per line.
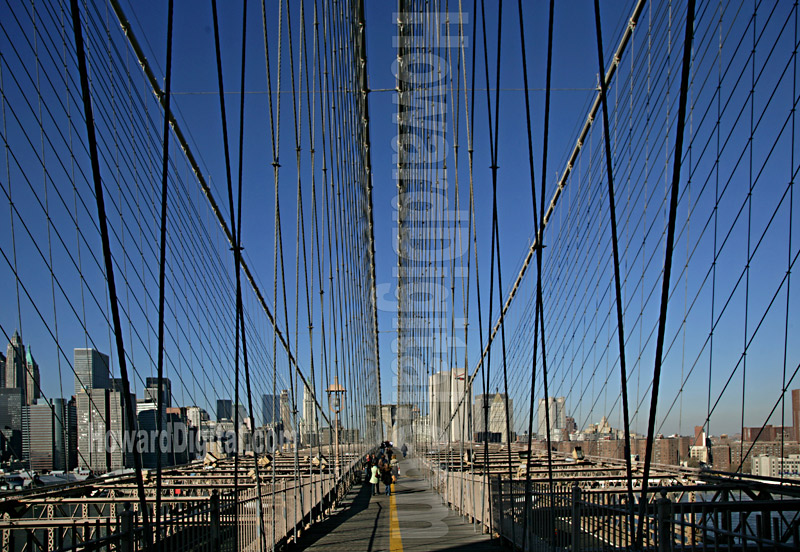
pixel 356 502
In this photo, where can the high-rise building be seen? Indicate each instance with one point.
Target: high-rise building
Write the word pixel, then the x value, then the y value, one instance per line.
pixel 147 419
pixel 270 410
pixel 92 416
pixel 496 405
pixel 11 403
pixel 91 399
pixel 242 411
pixel 117 426
pixel 32 381
pixel 91 370
pixel 15 364
pixel 558 417
pixel 796 413
pixel 224 409
pixel 2 370
pixel 151 391
pixel 12 400
pixel 195 416
pixel 286 411
pixel 46 436
pixel 72 433
pixel 102 443
pixel 445 392
pixel 21 370
pixel 309 409
pixel 310 421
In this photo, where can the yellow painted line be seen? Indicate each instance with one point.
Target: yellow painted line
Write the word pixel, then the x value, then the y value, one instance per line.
pixel 395 540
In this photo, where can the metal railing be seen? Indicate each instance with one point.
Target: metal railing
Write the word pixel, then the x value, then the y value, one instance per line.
pixel 732 515
pixel 207 523
pixel 534 516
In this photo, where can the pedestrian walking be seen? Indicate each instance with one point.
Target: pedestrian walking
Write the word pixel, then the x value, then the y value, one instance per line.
pixel 374 479
pixel 395 467
pixel 386 478
pixel 367 465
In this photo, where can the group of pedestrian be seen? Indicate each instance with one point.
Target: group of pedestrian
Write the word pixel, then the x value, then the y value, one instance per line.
pixel 382 468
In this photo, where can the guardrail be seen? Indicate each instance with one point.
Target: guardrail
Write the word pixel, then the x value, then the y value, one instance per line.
pixel 208 523
pixel 534 516
pixel 735 515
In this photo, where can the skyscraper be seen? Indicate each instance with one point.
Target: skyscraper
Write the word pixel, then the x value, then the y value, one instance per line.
pixel 310 424
pixel 195 416
pixel 270 410
pixel 151 391
pixel 102 443
pixel 32 381
pixel 91 399
pixel 12 402
pixel 496 405
pixel 309 410
pixel 445 392
pixel 224 409
pixel 558 417
pixel 796 413
pixel 243 414
pixel 286 411
pixel 72 434
pixel 117 426
pixel 15 364
pixel 21 370
pixel 91 370
pixel 46 443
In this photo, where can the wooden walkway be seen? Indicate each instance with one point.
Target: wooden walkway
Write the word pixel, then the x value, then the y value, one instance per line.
pixel 413 518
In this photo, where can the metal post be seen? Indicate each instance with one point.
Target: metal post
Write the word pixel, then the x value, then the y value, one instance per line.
pixel 576 517
pixel 663 509
pixel 215 521
pixel 336 423
pixel 126 529
pixel 500 505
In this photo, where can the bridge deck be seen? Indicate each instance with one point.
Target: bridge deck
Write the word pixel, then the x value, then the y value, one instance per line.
pixel 412 519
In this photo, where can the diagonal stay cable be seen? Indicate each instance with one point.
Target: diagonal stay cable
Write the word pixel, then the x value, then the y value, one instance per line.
pixel 127 400
pixel 673 207
pixel 612 215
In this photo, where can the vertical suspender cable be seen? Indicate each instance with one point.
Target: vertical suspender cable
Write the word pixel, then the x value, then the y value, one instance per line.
pixel 127 403
pixel 236 257
pixel 536 313
pixel 162 269
pixel 673 207
pixel 612 214
pixel 237 230
pixel 540 248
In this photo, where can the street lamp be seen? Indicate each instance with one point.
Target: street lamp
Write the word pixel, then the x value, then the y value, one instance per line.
pixel 335 403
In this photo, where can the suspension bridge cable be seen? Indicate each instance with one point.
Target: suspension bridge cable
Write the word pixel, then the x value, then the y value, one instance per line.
pixel 562 182
pixel 676 173
pixel 236 260
pixel 112 291
pixel 179 136
pixel 615 251
pixel 162 269
pixel 540 249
